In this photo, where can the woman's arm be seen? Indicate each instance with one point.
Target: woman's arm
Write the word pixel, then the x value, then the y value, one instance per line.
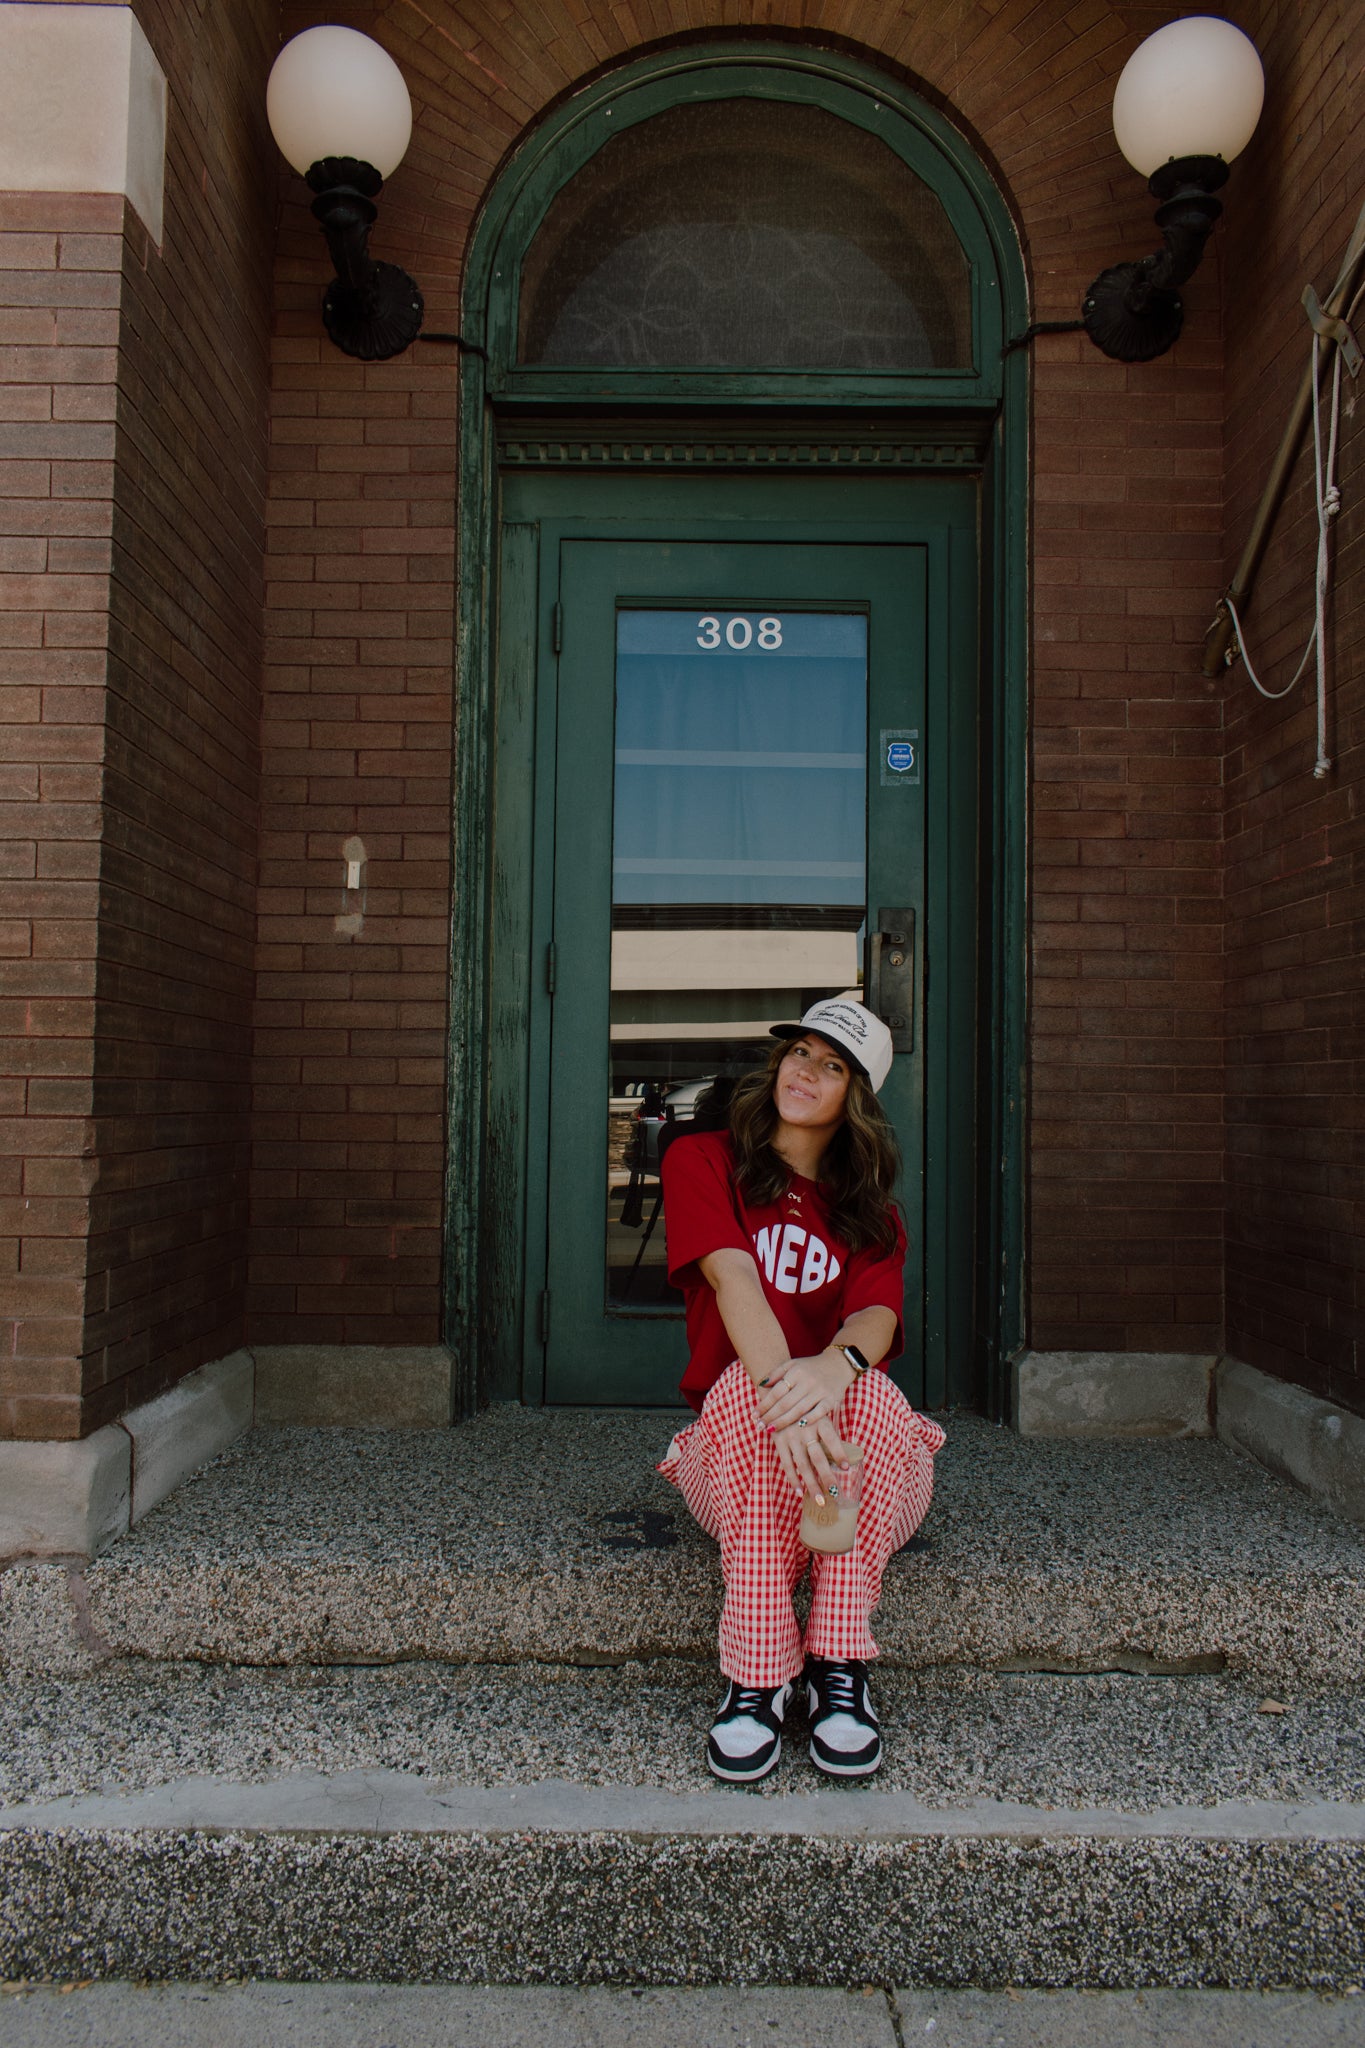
pixel 749 1322
pixel 811 1386
pixel 801 1389
pixel 808 1390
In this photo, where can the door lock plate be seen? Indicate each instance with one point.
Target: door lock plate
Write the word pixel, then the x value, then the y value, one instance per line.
pixel 889 974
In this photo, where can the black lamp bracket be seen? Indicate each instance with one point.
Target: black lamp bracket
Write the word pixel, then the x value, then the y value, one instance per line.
pixel 371 310
pixel 1133 312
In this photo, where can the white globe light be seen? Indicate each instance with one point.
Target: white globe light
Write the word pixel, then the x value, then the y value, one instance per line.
pixel 334 92
pixel 1193 89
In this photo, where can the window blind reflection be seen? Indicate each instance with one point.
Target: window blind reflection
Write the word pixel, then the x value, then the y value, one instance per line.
pixel 738 874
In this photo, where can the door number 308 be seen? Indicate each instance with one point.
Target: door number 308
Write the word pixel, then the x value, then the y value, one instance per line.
pixel 739 633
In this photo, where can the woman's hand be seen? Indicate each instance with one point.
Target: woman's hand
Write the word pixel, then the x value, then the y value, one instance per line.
pixel 804 1389
pixel 809 1455
pixel 797 1407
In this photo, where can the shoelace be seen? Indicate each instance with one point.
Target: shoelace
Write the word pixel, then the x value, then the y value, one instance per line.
pixel 840 1691
pixel 751 1700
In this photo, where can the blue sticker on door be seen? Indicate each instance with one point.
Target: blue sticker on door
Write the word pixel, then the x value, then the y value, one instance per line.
pixel 899 757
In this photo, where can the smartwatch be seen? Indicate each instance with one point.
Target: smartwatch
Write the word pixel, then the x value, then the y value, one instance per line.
pixel 855 1358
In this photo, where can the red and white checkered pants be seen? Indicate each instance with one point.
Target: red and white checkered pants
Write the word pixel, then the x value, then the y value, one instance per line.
pixel 725 1465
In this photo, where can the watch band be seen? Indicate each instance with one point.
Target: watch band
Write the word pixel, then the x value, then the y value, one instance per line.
pixel 855 1358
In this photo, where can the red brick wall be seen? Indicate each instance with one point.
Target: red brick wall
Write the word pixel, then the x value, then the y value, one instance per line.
pixel 1296 846
pixel 351 1007
pixel 172 1089
pixel 60 258
pixel 134 537
pixel 130 636
pixel 1127 1143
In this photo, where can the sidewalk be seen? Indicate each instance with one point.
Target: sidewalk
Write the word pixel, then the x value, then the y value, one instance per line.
pixel 437 2016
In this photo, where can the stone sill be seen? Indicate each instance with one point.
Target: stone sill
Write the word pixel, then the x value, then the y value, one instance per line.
pixel 1317 1445
pixel 64 1499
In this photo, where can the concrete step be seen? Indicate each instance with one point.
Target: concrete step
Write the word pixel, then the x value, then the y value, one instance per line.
pixel 553 1825
pixel 953 1735
pixel 546 1534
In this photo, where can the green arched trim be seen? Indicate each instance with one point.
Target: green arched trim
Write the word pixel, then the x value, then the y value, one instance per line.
pixel 996 390
pixel 565 141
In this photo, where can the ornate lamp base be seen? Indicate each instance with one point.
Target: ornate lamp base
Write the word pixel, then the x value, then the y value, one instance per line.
pixel 1129 318
pixel 1134 311
pixel 377 319
pixel 370 310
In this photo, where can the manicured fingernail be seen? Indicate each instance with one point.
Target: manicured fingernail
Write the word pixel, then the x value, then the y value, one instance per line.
pixel 819 1500
pixel 763 1383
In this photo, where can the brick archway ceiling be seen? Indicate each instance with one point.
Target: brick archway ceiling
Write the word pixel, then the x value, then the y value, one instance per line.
pixel 1031 83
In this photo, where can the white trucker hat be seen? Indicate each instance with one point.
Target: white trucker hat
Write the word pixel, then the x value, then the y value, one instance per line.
pixel 855 1030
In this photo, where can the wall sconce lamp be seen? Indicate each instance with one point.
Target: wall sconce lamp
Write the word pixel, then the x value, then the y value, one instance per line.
pixel 1187 102
pixel 340 112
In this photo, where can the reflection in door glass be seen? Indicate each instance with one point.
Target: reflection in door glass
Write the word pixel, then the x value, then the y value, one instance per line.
pixel 739 845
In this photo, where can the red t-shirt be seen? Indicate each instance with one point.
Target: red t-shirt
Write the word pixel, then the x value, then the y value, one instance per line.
pixel 810 1280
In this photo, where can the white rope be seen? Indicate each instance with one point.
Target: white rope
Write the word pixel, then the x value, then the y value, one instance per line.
pixel 1245 652
pixel 1329 504
pixel 1327 499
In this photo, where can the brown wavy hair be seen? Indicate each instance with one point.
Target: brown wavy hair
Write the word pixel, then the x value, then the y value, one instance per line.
pixel 857 1173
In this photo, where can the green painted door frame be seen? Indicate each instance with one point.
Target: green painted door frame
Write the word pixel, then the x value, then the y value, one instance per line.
pixel 903 550
pixel 583 429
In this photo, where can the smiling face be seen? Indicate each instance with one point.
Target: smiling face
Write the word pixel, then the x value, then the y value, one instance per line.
pixel 812 1085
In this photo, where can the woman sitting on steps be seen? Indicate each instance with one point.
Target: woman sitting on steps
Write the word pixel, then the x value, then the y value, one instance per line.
pixel 783 1236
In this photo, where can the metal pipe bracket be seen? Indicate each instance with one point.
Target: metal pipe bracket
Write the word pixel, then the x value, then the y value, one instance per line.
pixel 1330 328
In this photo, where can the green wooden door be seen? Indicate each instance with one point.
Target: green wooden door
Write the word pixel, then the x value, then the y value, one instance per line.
pixel 756 744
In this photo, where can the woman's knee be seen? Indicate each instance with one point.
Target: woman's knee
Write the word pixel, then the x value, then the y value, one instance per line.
pixel 732 1404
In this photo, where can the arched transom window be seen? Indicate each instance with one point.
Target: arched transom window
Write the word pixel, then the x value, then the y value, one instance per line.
pixel 746 234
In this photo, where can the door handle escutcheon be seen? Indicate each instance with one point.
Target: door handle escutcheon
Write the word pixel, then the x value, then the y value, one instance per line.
pixel 889 974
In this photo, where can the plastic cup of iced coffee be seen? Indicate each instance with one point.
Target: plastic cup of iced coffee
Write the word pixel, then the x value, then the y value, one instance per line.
pixel 833 1527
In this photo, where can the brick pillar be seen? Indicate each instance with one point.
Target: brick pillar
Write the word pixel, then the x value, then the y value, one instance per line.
pixel 133 347
pixel 60 267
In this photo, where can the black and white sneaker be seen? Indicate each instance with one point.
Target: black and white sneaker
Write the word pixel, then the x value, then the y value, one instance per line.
pixel 844 1737
pixel 746 1735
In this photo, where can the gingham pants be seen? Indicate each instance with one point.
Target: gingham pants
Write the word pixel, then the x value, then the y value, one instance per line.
pixel 725 1465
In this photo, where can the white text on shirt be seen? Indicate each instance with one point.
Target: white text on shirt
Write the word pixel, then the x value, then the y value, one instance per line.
pixel 779 1253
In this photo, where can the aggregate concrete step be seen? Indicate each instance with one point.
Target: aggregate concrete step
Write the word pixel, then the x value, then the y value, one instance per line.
pixel 548 1535
pixel 553 1825
pixel 953 1735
